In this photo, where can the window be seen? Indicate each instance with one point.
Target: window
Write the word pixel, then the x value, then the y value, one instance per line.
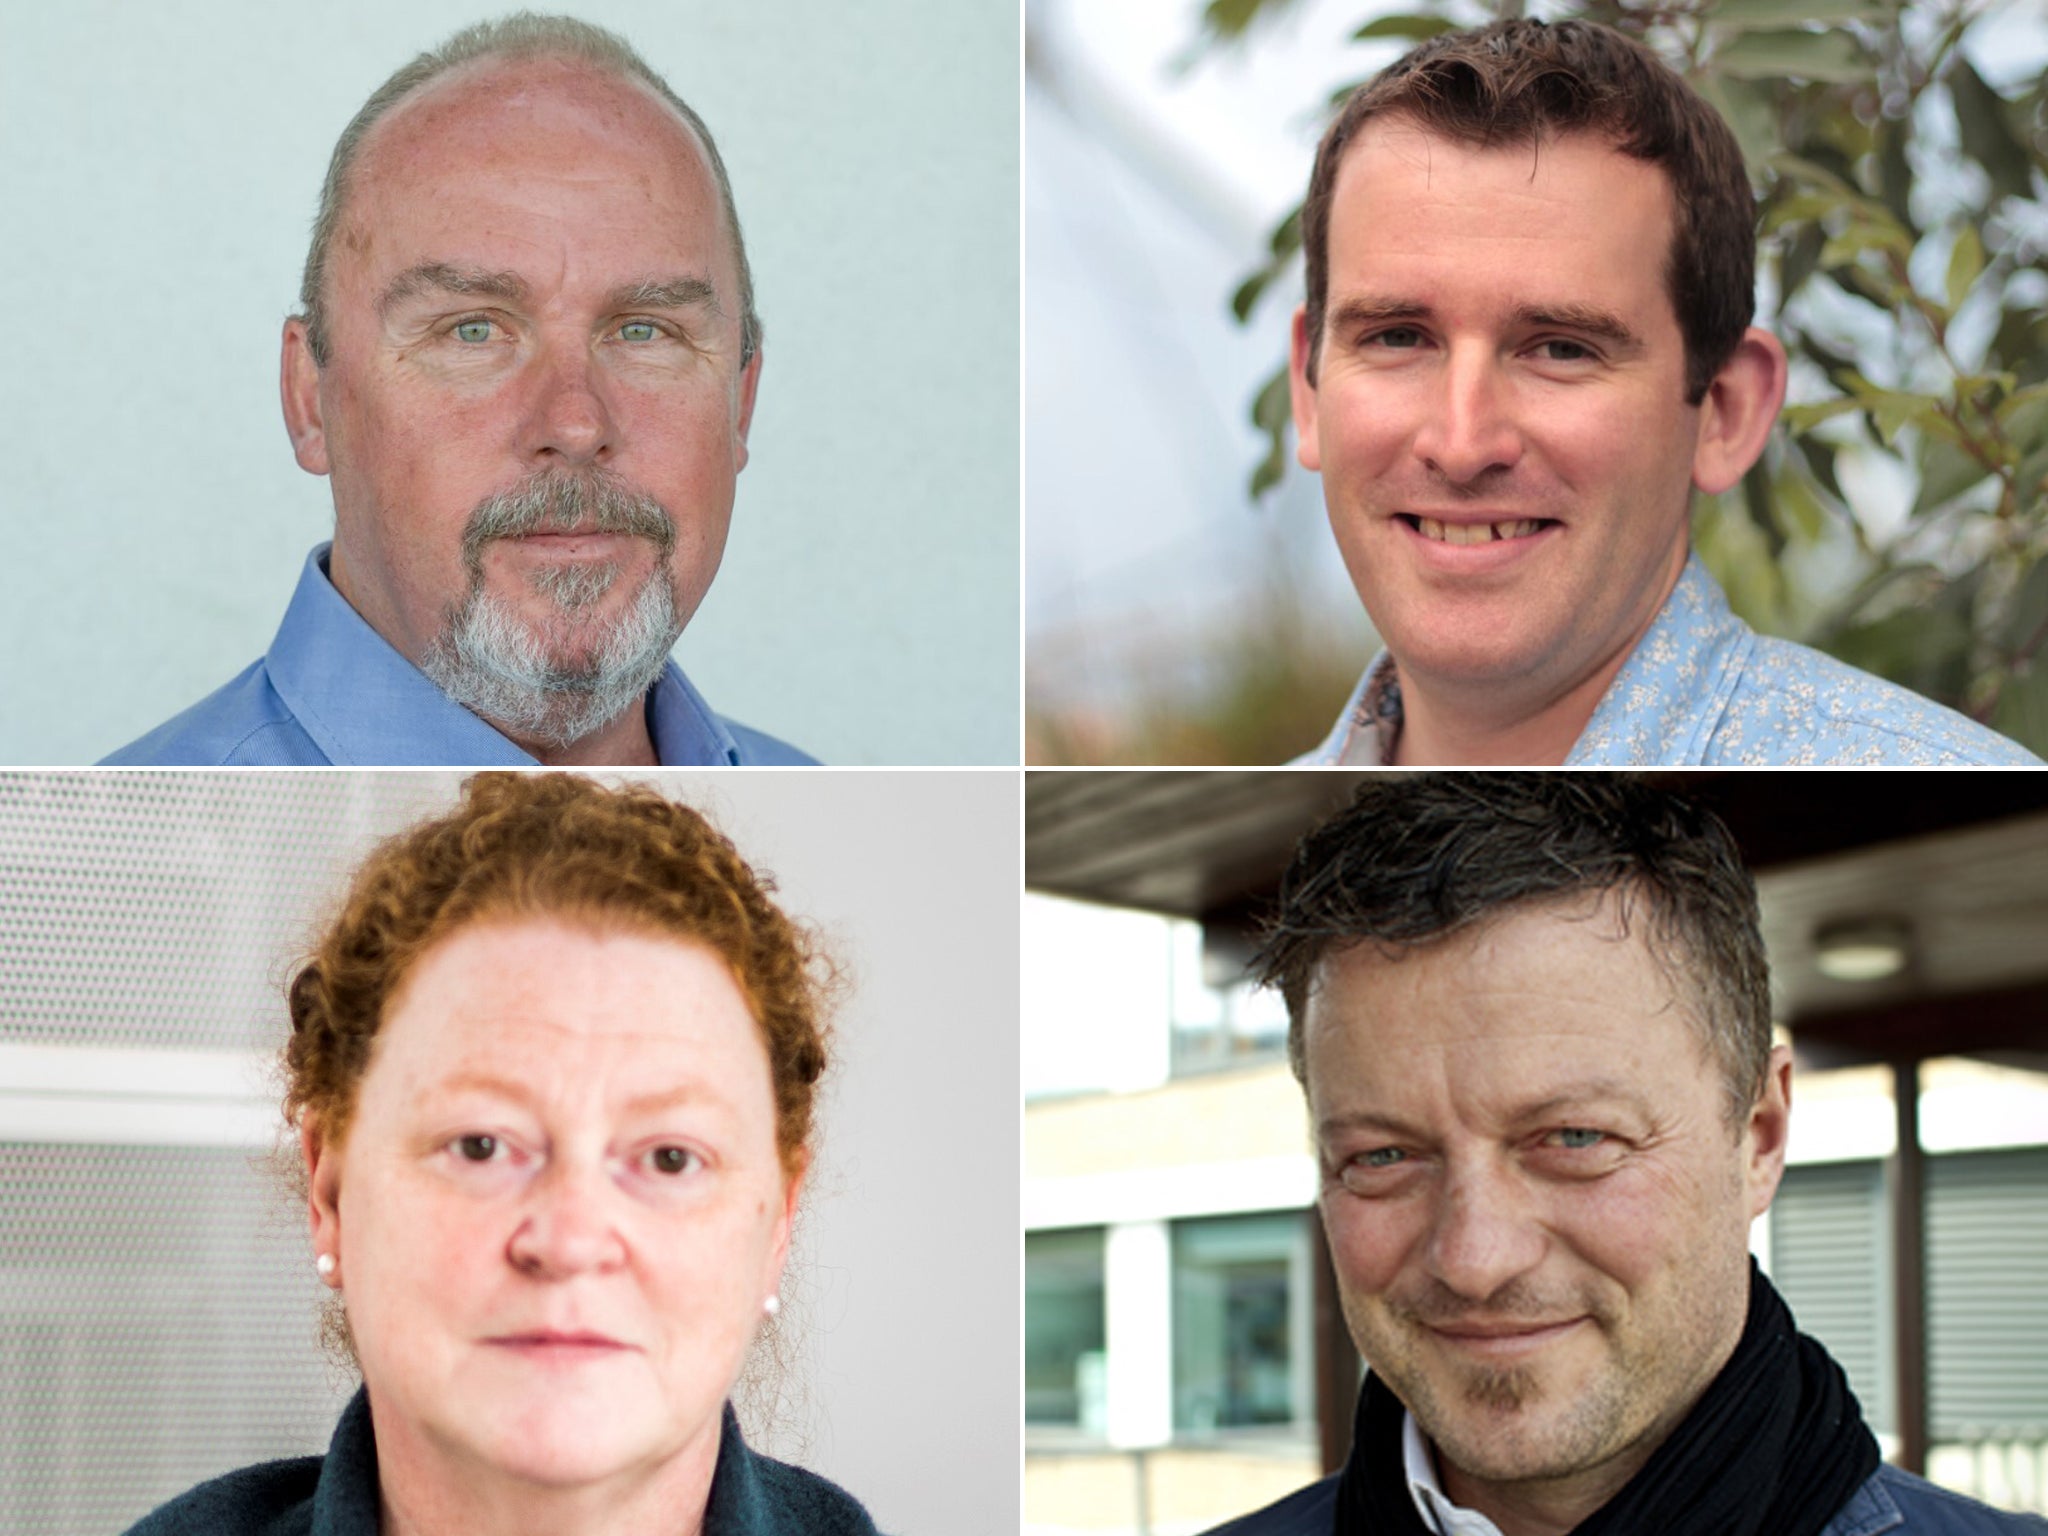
pixel 1065 1368
pixel 1242 1327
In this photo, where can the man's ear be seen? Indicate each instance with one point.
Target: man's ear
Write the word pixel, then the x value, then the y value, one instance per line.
pixel 323 1194
pixel 743 417
pixel 299 385
pixel 1301 390
pixel 1740 408
pixel 1768 1132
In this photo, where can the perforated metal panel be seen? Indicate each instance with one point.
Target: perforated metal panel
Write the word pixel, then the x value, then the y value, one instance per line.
pixel 157 1306
pixel 160 909
pixel 156 1329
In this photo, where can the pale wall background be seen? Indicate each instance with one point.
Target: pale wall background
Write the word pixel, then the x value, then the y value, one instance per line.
pixel 159 168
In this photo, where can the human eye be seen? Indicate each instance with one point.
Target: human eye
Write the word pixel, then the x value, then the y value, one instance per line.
pixel 481 1149
pixel 1562 349
pixel 639 331
pixel 1373 1170
pixel 473 330
pixel 1577 1138
pixel 672 1162
pixel 1396 338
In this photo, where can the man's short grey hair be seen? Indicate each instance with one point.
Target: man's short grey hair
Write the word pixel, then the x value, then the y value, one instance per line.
pixel 522 35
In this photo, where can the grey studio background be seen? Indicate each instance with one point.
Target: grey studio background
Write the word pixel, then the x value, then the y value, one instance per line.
pixel 156 1287
pixel 160 165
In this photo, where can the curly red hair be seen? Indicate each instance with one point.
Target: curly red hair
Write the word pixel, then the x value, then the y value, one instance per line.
pixel 529 845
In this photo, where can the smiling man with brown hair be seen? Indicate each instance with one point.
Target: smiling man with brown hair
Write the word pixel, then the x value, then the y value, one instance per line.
pixel 527 362
pixel 1531 1014
pixel 1531 259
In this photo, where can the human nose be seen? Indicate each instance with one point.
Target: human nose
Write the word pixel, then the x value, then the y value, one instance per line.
pixel 567 417
pixel 566 1225
pixel 1485 1235
pixel 1470 427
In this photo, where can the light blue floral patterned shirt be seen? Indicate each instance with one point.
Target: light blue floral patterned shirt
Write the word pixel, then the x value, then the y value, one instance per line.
pixel 1705 688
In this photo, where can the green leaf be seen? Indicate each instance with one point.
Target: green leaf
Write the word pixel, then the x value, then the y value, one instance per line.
pixel 1813 174
pixel 2023 417
pixel 1286 238
pixel 1965 265
pixel 1800 261
pixel 1248 292
pixel 2028 615
pixel 1791 13
pixel 1802 418
pixel 1232 18
pixel 1984 118
pixel 1946 471
pixel 1420 28
pixel 1820 462
pixel 1272 410
pixel 1892 412
pixel 2022 711
pixel 1924 648
pixel 1749 113
pixel 1894 172
pixel 1835 57
pixel 1799 511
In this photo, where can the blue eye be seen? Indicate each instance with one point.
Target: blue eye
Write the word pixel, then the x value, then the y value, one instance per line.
pixel 1578 1139
pixel 473 330
pixel 638 330
pixel 1382 1157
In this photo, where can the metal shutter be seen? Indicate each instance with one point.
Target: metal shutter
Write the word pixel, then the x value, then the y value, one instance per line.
pixel 1831 1260
pixel 1987 1295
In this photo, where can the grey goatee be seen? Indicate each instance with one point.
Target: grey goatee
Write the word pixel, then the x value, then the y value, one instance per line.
pixel 564 676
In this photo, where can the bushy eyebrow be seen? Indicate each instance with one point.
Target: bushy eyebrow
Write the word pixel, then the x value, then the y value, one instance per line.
pixel 1585 319
pixel 440 277
pixel 474 282
pixel 664 293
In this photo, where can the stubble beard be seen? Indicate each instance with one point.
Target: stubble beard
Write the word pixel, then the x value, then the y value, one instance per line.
pixel 1502 1423
pixel 567 675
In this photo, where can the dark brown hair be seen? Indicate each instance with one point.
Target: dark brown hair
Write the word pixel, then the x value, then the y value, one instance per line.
pixel 558 845
pixel 1421 856
pixel 1516 82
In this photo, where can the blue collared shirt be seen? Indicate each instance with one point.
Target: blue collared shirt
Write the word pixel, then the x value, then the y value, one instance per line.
pixel 1702 687
pixel 332 690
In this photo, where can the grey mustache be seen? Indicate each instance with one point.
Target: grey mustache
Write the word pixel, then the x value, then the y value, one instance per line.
pixel 560 504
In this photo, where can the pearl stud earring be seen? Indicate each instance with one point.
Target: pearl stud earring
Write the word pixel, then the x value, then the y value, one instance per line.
pixel 772 1305
pixel 325 1264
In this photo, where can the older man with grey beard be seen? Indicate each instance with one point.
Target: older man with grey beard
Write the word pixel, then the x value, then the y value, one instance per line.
pixel 526 359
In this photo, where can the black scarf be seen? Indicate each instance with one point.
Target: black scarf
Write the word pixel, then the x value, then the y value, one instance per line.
pixel 1774 1447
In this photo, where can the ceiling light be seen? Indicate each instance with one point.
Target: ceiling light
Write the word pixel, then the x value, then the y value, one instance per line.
pixel 1862 948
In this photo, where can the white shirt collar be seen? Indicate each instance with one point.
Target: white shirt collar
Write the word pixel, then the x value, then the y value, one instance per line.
pixel 1431 1502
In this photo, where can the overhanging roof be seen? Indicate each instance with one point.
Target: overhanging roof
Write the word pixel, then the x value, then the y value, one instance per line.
pixel 1960 856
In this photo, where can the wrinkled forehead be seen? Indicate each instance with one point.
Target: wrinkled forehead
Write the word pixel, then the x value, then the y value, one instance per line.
pixel 490 134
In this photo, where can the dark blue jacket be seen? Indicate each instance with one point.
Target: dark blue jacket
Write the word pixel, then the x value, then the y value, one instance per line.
pixel 1891 1501
pixel 336 1494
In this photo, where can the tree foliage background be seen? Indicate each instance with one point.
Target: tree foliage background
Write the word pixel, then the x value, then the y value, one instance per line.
pixel 1898 517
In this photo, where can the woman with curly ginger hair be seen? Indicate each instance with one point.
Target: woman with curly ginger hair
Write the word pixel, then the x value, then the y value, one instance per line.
pixel 552 1069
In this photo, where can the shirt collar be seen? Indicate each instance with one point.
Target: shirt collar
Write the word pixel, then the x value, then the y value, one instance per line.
pixel 1431 1502
pixel 364 704
pixel 1695 633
